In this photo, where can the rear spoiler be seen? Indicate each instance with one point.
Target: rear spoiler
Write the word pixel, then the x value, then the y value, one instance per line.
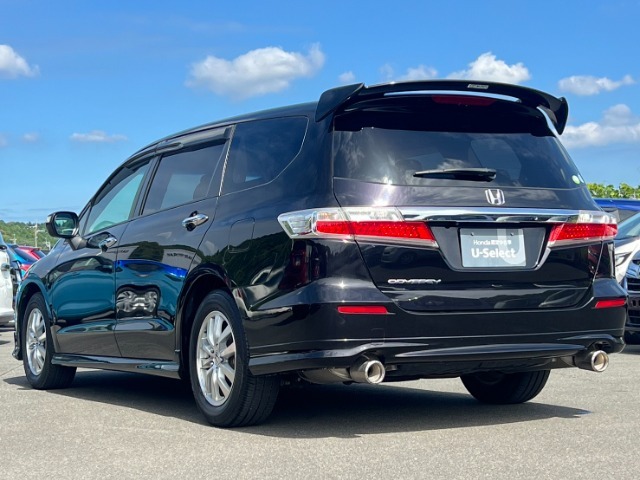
pixel 556 109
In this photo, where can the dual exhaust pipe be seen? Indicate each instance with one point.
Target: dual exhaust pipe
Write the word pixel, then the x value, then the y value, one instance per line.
pixel 371 370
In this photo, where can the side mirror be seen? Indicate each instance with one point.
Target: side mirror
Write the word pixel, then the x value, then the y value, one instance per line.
pixel 62 225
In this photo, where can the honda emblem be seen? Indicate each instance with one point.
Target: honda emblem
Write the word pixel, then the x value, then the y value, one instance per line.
pixel 494 196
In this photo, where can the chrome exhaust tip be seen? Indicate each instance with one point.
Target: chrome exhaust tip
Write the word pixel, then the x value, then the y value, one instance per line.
pixel 596 361
pixel 367 370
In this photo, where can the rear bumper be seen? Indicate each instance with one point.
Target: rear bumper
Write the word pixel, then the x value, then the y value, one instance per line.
pixel 315 335
pixel 409 360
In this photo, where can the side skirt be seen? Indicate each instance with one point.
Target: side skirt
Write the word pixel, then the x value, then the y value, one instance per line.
pixel 161 368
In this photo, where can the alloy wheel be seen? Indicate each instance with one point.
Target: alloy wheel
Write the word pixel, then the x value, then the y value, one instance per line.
pixel 36 341
pixel 216 358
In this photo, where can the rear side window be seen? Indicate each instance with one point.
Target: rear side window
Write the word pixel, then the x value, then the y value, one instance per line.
pixel 390 147
pixel 260 151
pixel 183 177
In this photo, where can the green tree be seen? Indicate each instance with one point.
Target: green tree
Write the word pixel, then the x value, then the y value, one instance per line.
pixel 26 234
pixel 624 190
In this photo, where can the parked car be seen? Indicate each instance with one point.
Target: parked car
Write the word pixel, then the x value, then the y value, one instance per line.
pixel 627 245
pixel 15 270
pixel 6 288
pixel 622 208
pixel 33 252
pixel 632 329
pixel 248 253
pixel 21 260
pixel 627 249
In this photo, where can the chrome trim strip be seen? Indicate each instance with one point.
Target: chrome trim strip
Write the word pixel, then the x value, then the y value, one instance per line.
pixel 504 215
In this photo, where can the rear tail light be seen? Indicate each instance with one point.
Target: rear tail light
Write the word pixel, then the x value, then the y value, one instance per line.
pixel 375 224
pixel 588 228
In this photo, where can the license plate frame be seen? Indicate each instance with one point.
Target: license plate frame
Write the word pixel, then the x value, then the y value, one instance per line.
pixel 493 248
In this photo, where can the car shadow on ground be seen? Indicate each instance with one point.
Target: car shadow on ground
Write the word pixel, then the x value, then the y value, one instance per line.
pixel 631 349
pixel 315 411
pixel 350 411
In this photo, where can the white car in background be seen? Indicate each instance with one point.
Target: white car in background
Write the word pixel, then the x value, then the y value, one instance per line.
pixel 627 246
pixel 627 252
pixel 6 289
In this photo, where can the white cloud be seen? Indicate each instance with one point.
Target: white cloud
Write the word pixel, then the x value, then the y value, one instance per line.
pixel 258 72
pixel 618 125
pixel 30 137
pixel 13 65
pixel 488 67
pixel 420 72
pixel 588 85
pixel 387 71
pixel 347 77
pixel 97 136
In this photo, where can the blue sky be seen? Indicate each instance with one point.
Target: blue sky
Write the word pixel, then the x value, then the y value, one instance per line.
pixel 83 84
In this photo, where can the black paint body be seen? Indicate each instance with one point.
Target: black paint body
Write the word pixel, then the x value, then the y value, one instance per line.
pixel 131 306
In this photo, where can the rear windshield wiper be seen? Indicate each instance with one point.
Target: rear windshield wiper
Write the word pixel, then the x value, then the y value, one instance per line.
pixel 474 174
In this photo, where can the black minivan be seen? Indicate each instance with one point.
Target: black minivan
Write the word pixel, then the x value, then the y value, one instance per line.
pixel 395 232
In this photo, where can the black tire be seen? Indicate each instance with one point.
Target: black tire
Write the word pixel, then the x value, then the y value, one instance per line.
pixel 505 388
pixel 225 391
pixel 37 345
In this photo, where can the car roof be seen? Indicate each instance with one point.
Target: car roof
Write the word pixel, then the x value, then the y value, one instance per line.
pixel 340 97
pixel 302 109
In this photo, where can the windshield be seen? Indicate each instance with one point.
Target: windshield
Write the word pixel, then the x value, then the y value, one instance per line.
pixel 630 227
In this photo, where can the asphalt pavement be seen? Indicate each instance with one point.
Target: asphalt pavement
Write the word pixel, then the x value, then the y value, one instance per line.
pixel 117 425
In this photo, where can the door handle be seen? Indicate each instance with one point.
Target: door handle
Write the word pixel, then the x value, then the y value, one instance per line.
pixel 194 220
pixel 107 243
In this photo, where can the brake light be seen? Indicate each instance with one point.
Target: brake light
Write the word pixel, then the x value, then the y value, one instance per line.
pixel 363 310
pixel 410 230
pixel 566 233
pixel 471 100
pixel 377 224
pixel 616 302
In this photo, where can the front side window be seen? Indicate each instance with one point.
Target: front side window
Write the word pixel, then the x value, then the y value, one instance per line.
pixel 183 177
pixel 115 202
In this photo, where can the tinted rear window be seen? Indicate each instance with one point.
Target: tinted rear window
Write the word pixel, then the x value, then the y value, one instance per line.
pixel 389 147
pixel 261 150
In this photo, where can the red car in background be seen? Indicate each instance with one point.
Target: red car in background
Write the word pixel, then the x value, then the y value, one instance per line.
pixel 33 252
pixel 22 257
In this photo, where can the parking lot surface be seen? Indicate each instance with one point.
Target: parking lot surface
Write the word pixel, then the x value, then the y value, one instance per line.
pixel 119 425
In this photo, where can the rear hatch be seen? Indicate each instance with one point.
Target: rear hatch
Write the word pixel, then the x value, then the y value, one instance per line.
pixel 462 202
